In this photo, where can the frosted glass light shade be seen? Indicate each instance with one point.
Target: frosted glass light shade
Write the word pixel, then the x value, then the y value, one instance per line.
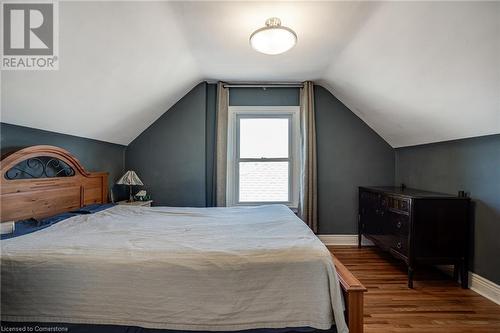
pixel 273 38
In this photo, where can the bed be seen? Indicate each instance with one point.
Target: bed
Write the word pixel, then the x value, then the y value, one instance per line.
pixel 194 269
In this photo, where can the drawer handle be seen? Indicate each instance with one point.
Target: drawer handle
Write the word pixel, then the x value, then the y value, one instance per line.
pixel 398 245
pixel 398 225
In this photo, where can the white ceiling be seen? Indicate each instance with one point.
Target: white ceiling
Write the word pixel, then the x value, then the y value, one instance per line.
pixel 416 72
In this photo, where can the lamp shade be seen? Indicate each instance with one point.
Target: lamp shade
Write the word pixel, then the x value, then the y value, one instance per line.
pixel 129 178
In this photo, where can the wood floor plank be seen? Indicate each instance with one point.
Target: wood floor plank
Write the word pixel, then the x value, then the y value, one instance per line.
pixel 435 305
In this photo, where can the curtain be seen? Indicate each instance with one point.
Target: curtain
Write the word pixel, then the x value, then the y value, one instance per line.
pixel 221 145
pixel 308 192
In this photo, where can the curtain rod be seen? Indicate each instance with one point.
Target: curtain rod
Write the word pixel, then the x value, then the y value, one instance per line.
pixel 263 85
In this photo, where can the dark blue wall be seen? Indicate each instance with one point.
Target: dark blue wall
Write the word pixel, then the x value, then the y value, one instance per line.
pixel 264 96
pixel 472 165
pixel 93 154
pixel 350 154
pixel 170 155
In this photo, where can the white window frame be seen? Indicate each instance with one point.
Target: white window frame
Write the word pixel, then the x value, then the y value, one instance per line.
pixel 237 112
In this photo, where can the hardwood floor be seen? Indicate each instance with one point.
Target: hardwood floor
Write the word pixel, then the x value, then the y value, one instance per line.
pixel 436 304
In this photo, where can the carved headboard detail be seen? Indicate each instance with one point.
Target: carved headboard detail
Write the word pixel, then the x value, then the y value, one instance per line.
pixel 41 181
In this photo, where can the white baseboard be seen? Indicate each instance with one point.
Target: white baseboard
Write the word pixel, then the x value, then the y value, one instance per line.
pixel 485 287
pixel 351 240
pixel 479 284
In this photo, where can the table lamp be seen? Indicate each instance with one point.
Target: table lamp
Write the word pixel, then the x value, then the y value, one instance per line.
pixel 130 178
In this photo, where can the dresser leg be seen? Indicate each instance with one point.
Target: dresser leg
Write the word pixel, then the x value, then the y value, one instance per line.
pixel 456 271
pixel 410 277
pixel 464 275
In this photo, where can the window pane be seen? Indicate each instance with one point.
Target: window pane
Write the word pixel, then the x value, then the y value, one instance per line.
pixel 264 137
pixel 263 181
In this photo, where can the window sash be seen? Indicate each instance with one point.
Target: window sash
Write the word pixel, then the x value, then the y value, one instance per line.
pixel 262 159
pixel 237 184
pixel 239 117
pixel 233 173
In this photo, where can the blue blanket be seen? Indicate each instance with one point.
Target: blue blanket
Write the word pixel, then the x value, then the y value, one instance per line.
pixel 32 225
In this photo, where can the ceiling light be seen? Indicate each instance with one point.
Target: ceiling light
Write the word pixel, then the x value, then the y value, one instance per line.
pixel 273 38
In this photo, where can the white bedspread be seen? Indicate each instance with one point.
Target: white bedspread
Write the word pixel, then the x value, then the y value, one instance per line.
pixel 173 268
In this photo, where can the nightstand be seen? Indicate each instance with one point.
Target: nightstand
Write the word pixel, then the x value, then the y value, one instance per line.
pixel 136 203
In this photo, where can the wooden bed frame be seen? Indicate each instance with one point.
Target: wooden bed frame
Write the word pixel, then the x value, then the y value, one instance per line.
pixel 48 196
pixel 353 292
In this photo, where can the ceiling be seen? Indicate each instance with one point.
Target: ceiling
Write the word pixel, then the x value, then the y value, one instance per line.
pixel 415 72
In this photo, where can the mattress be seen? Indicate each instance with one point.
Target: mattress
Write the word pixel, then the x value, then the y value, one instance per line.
pixel 202 269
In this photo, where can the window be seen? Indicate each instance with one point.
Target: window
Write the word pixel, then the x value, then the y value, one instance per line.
pixel 263 155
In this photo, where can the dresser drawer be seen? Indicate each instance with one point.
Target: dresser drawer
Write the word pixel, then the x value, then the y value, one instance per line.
pixel 400 245
pixel 399 204
pixel 400 224
pixel 404 205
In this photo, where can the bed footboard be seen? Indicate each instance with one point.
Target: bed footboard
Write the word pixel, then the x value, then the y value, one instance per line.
pixel 353 292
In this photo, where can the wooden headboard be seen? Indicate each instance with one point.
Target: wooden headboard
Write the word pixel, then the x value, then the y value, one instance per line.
pixel 29 190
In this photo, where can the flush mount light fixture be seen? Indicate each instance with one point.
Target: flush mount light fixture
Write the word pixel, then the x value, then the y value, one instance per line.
pixel 273 38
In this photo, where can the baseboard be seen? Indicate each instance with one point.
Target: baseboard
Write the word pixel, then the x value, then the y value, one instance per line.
pixel 485 287
pixel 479 284
pixel 351 240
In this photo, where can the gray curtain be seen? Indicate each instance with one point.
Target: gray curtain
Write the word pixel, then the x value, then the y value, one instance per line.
pixel 221 145
pixel 308 191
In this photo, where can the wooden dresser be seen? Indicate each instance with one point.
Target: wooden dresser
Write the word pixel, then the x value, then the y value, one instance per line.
pixel 418 227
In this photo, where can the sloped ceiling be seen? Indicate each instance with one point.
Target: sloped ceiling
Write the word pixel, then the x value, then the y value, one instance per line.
pixel 416 72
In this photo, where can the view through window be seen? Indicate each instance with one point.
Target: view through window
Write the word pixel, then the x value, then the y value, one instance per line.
pixel 262 158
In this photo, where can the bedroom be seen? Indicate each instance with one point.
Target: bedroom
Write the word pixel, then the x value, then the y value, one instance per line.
pixel 375 123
